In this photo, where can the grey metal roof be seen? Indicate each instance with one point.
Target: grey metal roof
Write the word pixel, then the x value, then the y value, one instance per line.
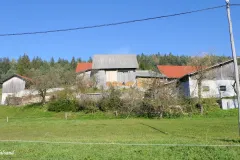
pixel 149 74
pixel 114 61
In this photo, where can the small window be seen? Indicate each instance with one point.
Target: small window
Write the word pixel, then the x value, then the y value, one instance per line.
pixel 205 88
pixel 222 88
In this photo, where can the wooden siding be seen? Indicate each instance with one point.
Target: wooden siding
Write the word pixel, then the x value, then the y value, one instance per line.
pixel 225 72
pixel 13 85
pixel 126 76
pixel 111 76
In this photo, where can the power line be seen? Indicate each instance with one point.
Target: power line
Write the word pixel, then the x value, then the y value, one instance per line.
pixel 112 24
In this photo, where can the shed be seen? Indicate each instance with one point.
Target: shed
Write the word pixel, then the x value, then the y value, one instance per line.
pixel 145 77
pixel 13 85
pixel 114 68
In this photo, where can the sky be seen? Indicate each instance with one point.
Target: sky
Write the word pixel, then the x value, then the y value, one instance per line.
pixel 192 34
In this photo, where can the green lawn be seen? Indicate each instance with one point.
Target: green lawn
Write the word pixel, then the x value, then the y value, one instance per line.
pixel 33 124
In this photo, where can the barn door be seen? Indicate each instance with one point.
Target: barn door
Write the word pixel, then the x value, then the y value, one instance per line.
pixel 111 76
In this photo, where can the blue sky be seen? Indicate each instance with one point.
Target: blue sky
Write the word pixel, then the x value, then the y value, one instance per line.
pixel 183 35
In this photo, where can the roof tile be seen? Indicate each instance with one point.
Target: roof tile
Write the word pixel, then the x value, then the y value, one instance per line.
pixel 81 67
pixel 175 71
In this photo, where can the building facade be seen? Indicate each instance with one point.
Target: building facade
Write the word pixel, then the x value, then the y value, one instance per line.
pixel 218 82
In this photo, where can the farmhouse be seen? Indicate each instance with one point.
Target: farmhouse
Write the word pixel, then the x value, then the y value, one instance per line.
pixel 13 85
pixel 175 72
pixel 115 69
pixel 218 82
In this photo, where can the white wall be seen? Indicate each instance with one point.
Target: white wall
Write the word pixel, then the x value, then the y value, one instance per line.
pixel 13 85
pixel 25 93
pixel 4 96
pixel 84 74
pixel 229 104
pixel 213 88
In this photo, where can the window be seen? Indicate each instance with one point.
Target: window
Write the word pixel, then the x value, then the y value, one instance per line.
pixel 205 88
pixel 222 88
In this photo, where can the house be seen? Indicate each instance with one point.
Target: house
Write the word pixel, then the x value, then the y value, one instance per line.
pixel 14 84
pixel 218 82
pixel 114 69
pixel 175 72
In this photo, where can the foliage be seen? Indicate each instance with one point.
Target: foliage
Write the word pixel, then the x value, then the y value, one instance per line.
pixel 23 65
pixel 51 78
pixel 88 106
pixel 149 61
pixel 111 101
pixel 131 99
pixel 63 105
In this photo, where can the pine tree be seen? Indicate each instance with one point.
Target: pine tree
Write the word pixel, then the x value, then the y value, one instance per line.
pixel 52 62
pixel 73 63
pixel 90 59
pixel 23 65
pixel 79 60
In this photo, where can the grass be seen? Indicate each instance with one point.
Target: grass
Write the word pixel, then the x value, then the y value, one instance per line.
pixel 36 124
pixel 0 95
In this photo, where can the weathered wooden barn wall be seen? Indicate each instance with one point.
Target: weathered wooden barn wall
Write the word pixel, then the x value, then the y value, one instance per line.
pixel 126 75
pixel 221 75
pixel 13 85
pixel 105 76
pixel 224 72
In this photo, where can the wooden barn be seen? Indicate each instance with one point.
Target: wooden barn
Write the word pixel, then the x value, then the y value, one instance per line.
pixel 219 82
pixel 13 85
pixel 116 70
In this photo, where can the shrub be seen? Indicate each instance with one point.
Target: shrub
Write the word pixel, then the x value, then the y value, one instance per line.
pixel 88 105
pixel 63 105
pixel 12 100
pixel 112 101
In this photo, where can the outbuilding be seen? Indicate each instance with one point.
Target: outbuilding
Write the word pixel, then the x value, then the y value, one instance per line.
pixel 13 85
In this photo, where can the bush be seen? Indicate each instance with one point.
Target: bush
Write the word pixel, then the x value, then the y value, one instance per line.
pixel 63 105
pixel 112 101
pixel 88 105
pixel 12 100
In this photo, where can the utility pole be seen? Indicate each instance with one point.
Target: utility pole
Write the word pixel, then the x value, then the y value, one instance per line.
pixel 234 55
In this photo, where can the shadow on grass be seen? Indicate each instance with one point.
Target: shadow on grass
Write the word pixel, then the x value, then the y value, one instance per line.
pixel 156 129
pixel 230 140
pixel 34 105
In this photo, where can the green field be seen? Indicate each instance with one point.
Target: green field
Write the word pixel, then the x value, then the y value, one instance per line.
pixel 121 138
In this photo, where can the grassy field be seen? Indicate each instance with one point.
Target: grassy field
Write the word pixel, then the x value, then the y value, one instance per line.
pixel 35 124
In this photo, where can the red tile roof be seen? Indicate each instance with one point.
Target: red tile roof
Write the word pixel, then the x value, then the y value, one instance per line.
pixel 25 78
pixel 19 76
pixel 81 67
pixel 175 71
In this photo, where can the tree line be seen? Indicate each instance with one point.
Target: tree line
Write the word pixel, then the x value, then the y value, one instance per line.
pixel 23 65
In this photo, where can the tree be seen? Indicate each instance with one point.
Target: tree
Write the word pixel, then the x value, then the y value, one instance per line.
pixel 36 63
pixel 79 60
pixel 73 63
pixel 161 99
pixel 53 77
pixel 52 62
pixel 23 65
pixel 200 64
pixel 90 59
